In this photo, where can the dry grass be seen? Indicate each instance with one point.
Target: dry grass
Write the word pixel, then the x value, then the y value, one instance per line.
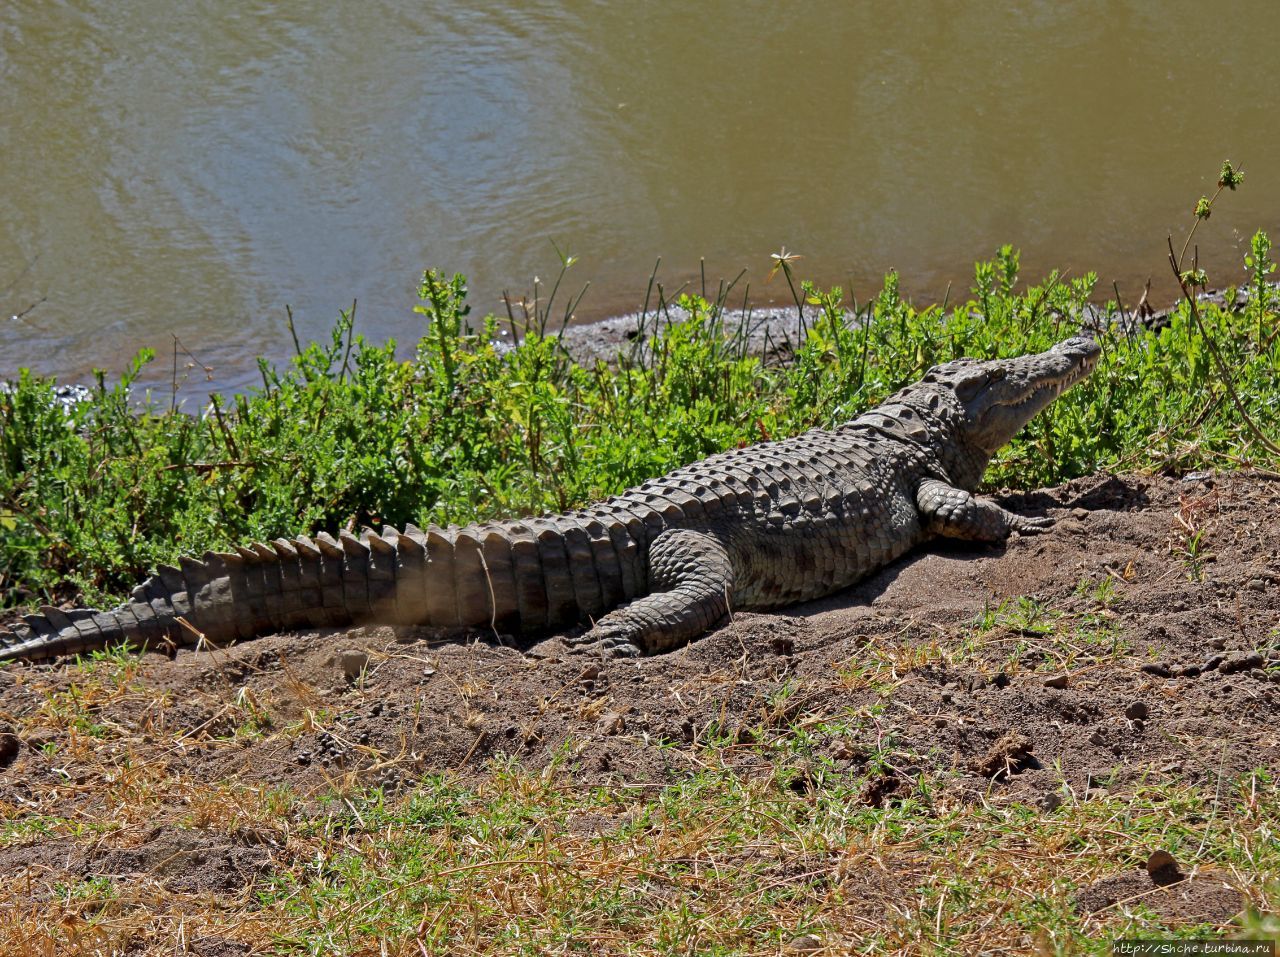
pixel 785 855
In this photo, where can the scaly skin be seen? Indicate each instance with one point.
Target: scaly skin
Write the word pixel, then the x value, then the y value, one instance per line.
pixel 659 565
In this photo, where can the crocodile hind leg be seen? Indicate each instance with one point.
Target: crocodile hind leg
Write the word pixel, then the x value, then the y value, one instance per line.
pixel 691 584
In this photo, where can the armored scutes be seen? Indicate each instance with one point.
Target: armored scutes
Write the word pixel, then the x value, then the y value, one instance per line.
pixel 648 570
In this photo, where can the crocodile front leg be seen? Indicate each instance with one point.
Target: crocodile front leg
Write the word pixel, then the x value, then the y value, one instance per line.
pixel 955 513
pixel 691 585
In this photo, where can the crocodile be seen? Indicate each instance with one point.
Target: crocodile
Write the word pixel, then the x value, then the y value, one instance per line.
pixel 755 528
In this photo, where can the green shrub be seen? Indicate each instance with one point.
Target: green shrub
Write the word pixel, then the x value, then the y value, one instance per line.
pixel 346 434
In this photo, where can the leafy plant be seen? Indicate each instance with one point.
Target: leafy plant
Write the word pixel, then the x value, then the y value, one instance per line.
pixel 92 494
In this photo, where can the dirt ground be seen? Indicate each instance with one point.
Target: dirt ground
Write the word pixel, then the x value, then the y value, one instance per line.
pixel 1181 576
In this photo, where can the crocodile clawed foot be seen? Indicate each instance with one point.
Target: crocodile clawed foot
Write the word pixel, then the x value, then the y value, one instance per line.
pixel 1033 526
pixel 603 643
pixel 615 646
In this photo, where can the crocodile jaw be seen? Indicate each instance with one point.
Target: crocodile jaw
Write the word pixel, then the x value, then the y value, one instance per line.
pixel 1011 392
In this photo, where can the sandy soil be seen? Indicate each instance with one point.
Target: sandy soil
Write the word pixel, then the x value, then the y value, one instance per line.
pixel 1181 678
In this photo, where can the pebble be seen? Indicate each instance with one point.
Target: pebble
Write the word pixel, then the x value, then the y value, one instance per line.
pixel 611 722
pixel 1241 663
pixel 1137 711
pixel 1213 662
pixel 1218 644
pixel 10 744
pixel 1163 868
pixel 1057 681
pixel 352 662
pixel 804 943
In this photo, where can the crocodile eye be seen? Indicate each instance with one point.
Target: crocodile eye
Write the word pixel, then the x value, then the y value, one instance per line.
pixel 968 386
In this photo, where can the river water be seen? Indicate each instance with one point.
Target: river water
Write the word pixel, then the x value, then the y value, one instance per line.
pixel 188 169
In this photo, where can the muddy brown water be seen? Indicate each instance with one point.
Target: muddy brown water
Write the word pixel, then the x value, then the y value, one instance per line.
pixel 190 169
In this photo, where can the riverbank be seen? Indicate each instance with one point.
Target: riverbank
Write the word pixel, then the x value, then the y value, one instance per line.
pixel 774 332
pixel 978 749
pixel 1049 744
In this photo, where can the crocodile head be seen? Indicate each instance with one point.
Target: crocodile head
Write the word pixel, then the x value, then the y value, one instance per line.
pixel 998 397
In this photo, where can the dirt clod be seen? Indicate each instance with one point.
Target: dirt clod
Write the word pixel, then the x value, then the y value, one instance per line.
pixel 1009 755
pixel 611 722
pixel 1137 711
pixel 1163 868
pixel 804 944
pixel 10 745
pixel 882 788
pixel 1241 663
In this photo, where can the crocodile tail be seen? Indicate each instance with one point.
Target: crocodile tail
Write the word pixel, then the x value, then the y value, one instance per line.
pixel 222 597
pixel 53 632
pixel 154 615
pixel 511 577
pixel 170 607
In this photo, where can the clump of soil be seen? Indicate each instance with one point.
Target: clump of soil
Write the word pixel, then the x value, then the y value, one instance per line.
pixel 1009 755
pixel 1162 887
pixel 178 861
pixel 1171 589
